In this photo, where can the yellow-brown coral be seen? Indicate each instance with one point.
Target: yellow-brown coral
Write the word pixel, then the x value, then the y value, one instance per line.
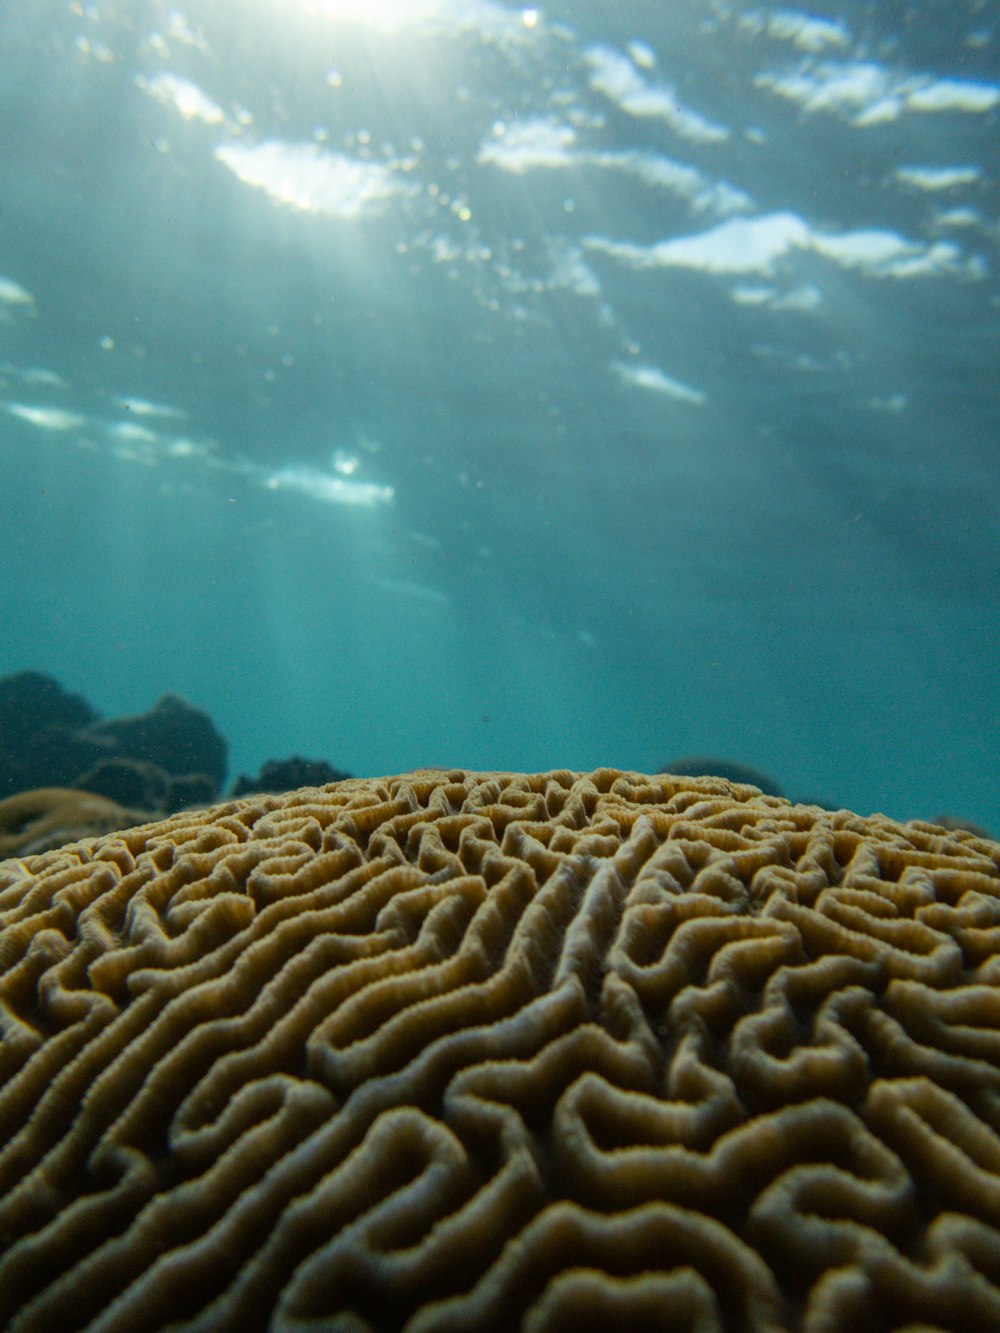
pixel 47 817
pixel 480 1051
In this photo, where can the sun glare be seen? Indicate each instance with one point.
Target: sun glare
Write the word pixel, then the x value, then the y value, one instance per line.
pixel 377 13
pixel 487 16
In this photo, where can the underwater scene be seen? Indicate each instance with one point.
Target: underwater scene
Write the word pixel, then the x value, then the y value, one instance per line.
pixel 462 464
pixel 410 383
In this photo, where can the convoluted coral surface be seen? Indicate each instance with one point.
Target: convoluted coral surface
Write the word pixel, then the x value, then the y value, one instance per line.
pixel 486 1051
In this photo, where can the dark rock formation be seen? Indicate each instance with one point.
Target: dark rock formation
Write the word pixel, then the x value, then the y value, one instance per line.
pixel 286 774
pixel 41 734
pixel 174 735
pixel 160 761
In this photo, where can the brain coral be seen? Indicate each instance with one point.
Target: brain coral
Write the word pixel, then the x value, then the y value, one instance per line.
pixel 460 1051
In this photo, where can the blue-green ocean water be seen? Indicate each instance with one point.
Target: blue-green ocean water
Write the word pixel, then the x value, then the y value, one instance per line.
pixel 454 382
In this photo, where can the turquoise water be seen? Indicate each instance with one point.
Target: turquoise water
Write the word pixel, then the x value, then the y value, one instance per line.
pixel 449 382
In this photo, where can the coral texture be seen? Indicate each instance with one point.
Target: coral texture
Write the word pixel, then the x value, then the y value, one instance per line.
pixel 36 821
pixel 460 1051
